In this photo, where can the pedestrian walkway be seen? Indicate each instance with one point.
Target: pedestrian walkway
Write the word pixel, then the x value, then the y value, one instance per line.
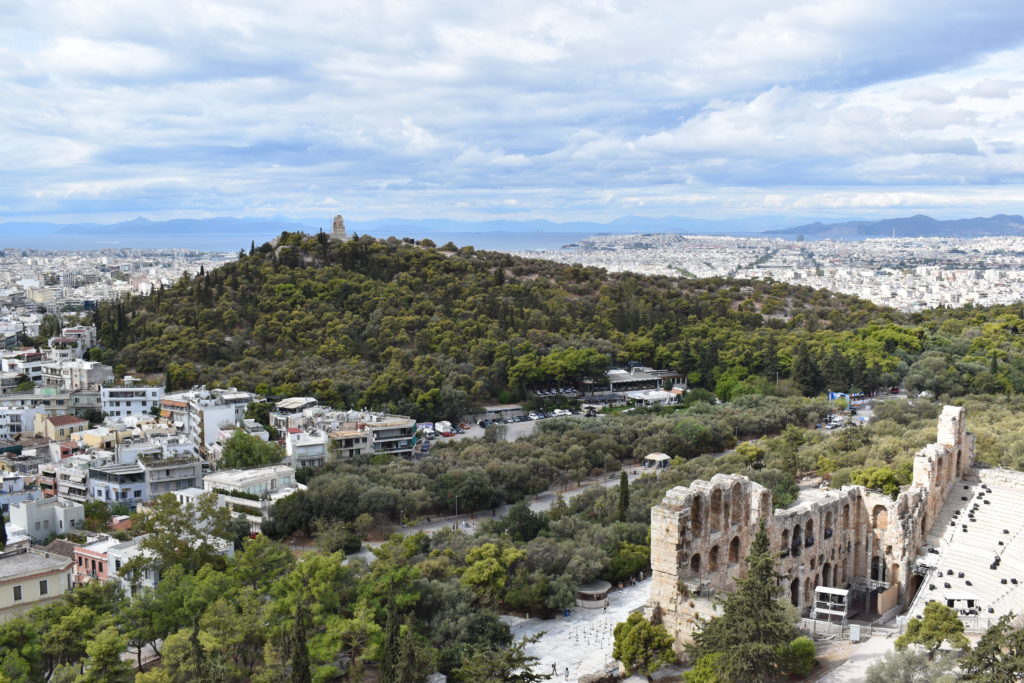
pixel 581 643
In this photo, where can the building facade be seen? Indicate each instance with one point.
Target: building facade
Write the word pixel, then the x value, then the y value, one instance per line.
pixel 854 538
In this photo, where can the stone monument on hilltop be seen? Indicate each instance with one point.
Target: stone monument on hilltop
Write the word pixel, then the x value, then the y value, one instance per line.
pixel 338 228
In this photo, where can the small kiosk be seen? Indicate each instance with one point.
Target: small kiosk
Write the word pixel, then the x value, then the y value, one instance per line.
pixel 593 595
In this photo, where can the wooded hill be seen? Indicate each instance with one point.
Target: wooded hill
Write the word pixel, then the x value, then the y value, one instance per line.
pixel 430 332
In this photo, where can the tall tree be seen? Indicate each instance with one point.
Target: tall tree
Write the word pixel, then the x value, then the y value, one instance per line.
pixel 755 628
pixel 623 496
pixel 804 371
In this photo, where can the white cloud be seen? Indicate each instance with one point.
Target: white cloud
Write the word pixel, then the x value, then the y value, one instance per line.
pixel 392 107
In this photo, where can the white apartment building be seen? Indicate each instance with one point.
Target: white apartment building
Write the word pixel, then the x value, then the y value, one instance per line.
pixel 201 414
pixel 40 518
pixel 76 374
pixel 17 421
pixel 306 449
pixel 129 399
pixel 252 492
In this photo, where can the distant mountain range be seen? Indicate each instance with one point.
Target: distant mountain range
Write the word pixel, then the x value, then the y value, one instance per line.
pixel 232 234
pixel 914 226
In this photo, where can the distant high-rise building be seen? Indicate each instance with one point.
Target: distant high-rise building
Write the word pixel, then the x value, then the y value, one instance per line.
pixel 338 228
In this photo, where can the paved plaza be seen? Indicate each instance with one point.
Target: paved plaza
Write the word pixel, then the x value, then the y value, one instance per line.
pixel 581 642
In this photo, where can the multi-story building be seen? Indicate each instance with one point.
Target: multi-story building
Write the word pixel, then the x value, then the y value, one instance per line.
pixel 29 578
pixel 391 434
pixel 252 492
pixel 85 335
pixel 14 422
pixel 76 374
pixel 348 443
pixel 40 518
pixel 116 483
pixel 167 472
pixel 129 399
pixel 53 401
pixel 200 414
pixel 27 363
pixel 288 412
pixel 15 490
pixel 91 562
pixel 306 449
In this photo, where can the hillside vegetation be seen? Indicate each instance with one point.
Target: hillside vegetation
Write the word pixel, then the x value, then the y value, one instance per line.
pixel 429 331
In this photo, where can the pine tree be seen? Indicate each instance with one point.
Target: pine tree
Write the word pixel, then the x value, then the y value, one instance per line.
pixel 623 496
pixel 754 629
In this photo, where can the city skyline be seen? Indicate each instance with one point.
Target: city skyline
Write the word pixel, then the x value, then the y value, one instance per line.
pixel 743 109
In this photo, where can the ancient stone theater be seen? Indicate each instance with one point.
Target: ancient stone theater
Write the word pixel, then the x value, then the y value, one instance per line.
pixel 873 550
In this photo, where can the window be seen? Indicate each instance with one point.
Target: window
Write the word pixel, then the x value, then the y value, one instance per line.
pixel 17 593
pixel 43 587
pixel 101 567
pixel 37 526
pixel 138 494
pixel 46 524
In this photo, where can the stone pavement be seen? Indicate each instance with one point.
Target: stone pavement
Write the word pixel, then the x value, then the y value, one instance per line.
pixel 581 642
pixel 862 655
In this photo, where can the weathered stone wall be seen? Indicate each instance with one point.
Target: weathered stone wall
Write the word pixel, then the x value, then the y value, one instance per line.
pixel 846 538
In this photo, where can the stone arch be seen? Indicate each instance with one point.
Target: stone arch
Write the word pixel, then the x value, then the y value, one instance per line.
pixel 827 531
pixel 797 542
pixel 696 516
pixel 734 550
pixel 809 533
pixel 715 512
pixel 738 507
pixel 713 559
pixel 880 517
pixel 785 540
pixel 808 589
pixel 794 592
pixel 826 575
pixel 924 523
pixel 846 516
pixel 695 564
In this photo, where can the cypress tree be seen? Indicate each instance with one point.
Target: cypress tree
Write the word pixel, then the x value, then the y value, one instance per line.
pixel 3 532
pixel 623 496
pixel 390 649
pixel 754 629
pixel 408 667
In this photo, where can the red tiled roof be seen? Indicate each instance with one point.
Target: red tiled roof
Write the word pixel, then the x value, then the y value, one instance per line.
pixel 63 420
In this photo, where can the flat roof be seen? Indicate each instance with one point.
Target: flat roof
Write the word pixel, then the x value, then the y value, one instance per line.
pixel 21 562
pixel 244 477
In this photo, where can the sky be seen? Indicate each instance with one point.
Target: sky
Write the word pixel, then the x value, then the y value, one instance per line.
pixel 515 110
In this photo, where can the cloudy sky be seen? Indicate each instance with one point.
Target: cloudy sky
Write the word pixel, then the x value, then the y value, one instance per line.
pixel 476 110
